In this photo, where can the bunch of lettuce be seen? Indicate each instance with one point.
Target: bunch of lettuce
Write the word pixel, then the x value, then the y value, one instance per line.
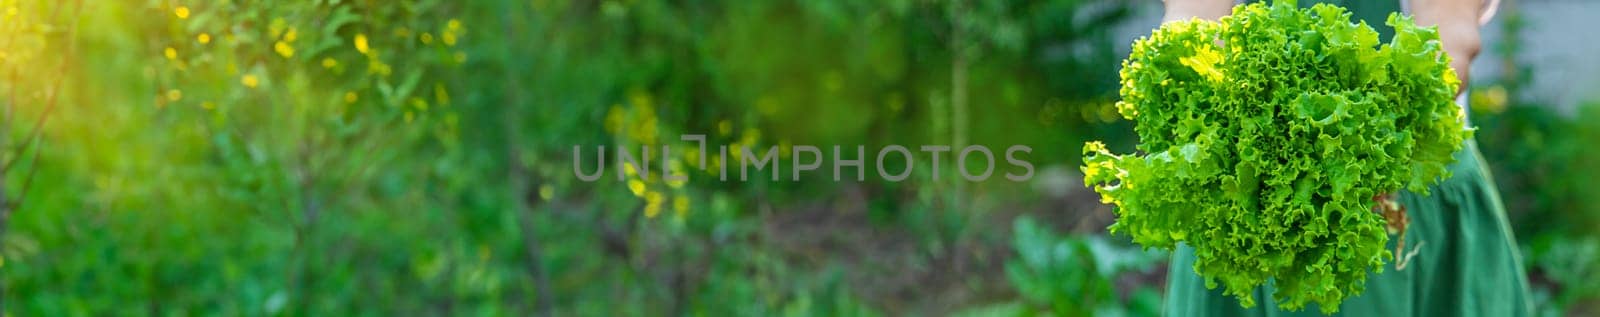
pixel 1265 138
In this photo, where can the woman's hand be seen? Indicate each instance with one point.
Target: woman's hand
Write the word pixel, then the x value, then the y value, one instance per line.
pixel 1458 22
pixel 1178 10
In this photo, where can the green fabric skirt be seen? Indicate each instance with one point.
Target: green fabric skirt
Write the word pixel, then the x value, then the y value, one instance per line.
pixel 1468 263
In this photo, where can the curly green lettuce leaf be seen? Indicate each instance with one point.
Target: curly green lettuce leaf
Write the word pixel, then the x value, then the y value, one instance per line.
pixel 1264 137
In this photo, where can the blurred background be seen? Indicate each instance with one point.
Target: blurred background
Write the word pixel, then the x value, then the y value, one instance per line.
pixel 414 157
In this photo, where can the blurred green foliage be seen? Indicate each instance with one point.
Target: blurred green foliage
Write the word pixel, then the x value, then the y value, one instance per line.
pixel 372 158
pixel 1075 276
pixel 1547 168
pixel 346 157
pixel 1544 163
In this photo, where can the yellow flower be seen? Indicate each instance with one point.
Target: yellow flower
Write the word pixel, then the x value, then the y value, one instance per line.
pixel 637 187
pixel 420 104
pixel 454 25
pixel 208 105
pixel 653 204
pixel 203 38
pixel 328 62
pixel 174 95
pixel 546 192
pixel 284 49
pixel 376 66
pixel 676 183
pixel 290 36
pixel 449 39
pixel 249 81
pixel 361 43
pixel 350 97
pixel 182 12
pixel 1497 99
pixel 440 94
pixel 171 53
pixel 680 204
pixel 427 38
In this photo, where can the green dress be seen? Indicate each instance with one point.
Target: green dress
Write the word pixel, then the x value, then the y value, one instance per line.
pixel 1468 263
